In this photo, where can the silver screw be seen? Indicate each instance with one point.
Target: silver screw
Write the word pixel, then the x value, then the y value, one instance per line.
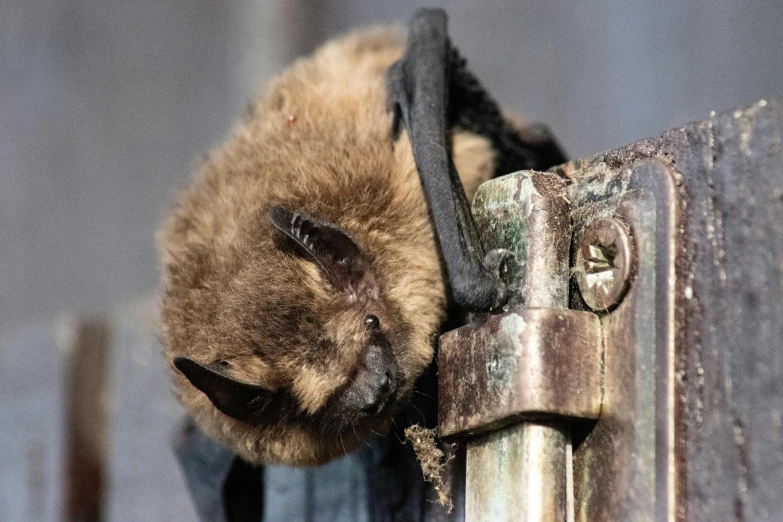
pixel 604 263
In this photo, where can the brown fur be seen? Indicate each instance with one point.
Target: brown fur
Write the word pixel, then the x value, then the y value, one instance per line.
pixel 318 141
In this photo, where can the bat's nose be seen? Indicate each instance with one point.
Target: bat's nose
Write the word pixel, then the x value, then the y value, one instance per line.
pixel 376 383
pixel 378 380
pixel 377 394
pixel 379 388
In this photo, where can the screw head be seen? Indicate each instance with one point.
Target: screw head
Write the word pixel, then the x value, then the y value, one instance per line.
pixel 603 263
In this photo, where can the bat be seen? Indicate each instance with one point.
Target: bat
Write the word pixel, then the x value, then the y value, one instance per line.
pixel 310 265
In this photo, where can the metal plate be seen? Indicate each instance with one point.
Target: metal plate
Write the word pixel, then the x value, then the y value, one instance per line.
pixel 529 363
pixel 626 467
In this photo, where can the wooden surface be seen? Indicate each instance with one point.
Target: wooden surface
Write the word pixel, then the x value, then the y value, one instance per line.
pixel 731 168
pixel 734 366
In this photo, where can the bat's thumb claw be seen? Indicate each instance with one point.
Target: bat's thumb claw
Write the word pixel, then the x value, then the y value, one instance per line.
pixel 496 261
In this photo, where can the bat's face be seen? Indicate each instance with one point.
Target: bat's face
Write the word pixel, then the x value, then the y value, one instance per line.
pixel 301 336
pixel 302 285
pixel 311 341
pixel 298 336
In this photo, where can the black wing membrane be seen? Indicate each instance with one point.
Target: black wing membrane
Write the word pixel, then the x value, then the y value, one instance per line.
pixel 431 92
pixel 471 108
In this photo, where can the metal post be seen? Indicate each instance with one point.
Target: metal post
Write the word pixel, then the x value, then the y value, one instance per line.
pixel 531 457
pixel 512 379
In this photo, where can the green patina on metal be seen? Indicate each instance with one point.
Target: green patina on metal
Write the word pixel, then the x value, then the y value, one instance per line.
pixel 501 208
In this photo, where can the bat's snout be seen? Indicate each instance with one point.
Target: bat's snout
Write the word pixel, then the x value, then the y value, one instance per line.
pixel 378 380
pixel 375 385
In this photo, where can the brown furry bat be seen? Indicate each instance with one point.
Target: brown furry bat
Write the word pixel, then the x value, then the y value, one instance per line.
pixel 303 289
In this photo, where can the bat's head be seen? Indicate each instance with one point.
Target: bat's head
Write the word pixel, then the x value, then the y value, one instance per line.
pixel 302 283
pixel 303 288
pixel 301 343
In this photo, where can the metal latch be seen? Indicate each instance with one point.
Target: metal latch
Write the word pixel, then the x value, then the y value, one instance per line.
pixel 558 396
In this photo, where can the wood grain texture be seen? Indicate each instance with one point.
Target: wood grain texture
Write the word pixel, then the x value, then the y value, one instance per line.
pixel 730 175
pixel 734 364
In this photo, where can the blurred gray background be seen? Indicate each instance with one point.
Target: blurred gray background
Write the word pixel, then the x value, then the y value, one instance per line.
pixel 106 105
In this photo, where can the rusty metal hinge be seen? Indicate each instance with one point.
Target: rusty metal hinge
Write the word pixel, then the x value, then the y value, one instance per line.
pixel 561 396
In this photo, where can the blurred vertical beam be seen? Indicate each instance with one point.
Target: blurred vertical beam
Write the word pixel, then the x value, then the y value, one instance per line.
pixel 31 402
pixel 85 419
pixel 144 481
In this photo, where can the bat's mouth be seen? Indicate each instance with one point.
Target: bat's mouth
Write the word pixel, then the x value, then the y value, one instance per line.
pixel 378 386
pixel 368 401
pixel 370 392
pixel 375 380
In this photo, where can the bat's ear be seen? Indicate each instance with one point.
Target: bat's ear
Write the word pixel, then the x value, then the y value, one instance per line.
pixel 337 255
pixel 237 399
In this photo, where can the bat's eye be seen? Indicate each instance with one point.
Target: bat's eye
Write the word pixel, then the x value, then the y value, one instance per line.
pixel 224 364
pixel 372 321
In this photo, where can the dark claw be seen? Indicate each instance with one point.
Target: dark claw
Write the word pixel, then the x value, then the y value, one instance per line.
pixel 496 261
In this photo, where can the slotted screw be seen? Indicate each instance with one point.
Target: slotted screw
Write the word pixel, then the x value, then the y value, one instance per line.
pixel 604 264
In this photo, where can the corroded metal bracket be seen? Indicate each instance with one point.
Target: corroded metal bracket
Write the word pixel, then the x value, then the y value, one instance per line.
pixel 528 363
pixel 516 384
pixel 523 471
